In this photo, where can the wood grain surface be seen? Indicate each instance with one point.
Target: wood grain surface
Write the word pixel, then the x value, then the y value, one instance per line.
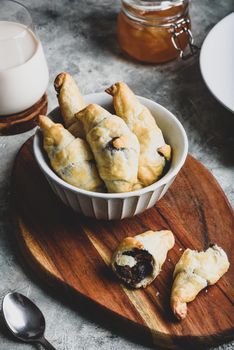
pixel 23 121
pixel 76 251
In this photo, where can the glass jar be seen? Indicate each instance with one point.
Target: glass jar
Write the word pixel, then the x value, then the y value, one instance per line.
pixel 155 31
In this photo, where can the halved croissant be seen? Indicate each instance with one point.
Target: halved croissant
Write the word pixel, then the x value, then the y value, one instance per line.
pixel 115 148
pixel 153 151
pixel 195 271
pixel 70 101
pixel 70 157
pixel 138 260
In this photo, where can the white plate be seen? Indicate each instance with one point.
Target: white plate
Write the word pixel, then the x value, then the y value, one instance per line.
pixel 217 61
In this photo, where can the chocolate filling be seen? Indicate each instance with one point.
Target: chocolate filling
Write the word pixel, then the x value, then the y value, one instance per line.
pixel 166 166
pixel 142 268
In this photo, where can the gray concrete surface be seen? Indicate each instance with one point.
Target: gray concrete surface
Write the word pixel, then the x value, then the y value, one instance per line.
pixel 79 37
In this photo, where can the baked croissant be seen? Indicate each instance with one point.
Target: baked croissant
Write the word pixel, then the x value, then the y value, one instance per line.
pixel 154 153
pixel 70 157
pixel 138 260
pixel 115 148
pixel 70 102
pixel 195 271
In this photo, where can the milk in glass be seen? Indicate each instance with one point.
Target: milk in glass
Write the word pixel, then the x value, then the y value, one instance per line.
pixel 23 68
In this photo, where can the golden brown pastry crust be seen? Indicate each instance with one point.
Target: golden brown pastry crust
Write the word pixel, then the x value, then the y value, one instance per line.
pixel 195 271
pixel 70 157
pixel 115 148
pixel 143 125
pixel 70 101
pixel 156 243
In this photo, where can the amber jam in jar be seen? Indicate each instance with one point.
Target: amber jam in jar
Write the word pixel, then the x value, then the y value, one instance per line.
pixel 154 31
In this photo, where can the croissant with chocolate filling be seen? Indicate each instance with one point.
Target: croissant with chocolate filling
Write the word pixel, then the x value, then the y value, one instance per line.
pixel 154 152
pixel 70 102
pixel 70 157
pixel 115 148
pixel 195 271
pixel 138 260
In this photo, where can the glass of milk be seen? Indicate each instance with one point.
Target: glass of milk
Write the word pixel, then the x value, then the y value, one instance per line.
pixel 23 69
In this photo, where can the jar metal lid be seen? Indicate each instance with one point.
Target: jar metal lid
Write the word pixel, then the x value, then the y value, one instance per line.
pixel 146 5
pixel 155 13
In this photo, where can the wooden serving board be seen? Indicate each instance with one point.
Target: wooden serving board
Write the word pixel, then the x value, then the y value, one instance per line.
pixel 76 251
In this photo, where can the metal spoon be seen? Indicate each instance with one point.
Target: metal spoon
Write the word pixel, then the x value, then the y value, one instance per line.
pixel 24 319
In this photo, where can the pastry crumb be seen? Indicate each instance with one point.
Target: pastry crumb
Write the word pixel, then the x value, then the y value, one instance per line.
pixel 180 249
pixel 157 294
pixel 206 290
pixel 169 259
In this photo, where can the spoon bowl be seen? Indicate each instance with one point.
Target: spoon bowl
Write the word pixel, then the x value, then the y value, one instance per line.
pixel 24 319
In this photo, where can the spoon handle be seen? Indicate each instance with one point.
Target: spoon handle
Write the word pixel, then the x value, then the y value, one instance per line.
pixel 46 344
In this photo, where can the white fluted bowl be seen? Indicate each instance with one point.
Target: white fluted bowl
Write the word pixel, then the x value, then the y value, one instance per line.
pixel 116 206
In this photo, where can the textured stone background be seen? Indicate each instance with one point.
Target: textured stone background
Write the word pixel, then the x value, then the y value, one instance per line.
pixel 79 36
